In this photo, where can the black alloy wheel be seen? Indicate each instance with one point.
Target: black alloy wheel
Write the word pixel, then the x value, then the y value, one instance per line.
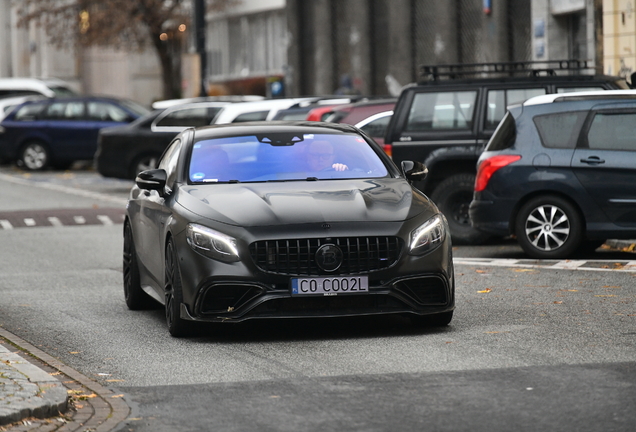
pixel 453 197
pixel 549 227
pixel 136 298
pixel 34 156
pixel 174 294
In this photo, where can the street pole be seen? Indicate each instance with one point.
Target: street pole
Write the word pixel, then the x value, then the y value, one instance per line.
pixel 199 31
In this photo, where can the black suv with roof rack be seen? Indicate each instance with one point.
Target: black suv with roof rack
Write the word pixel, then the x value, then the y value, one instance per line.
pixel 446 120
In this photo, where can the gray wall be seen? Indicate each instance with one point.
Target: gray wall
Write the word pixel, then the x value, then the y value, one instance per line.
pixel 366 40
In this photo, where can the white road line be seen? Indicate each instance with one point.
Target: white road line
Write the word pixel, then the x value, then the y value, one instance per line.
pixel 5 224
pixel 29 222
pixel 80 220
pixel 105 220
pixel 580 265
pixel 569 264
pixel 56 222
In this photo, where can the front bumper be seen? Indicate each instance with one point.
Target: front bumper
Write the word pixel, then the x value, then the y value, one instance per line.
pixel 224 292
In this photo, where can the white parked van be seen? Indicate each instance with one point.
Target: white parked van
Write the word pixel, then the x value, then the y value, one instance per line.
pixel 49 87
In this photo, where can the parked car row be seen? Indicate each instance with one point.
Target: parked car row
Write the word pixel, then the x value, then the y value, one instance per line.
pixel 125 151
pixel 56 132
pixel 447 119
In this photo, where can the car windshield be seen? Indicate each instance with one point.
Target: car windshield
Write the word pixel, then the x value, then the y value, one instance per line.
pixel 284 157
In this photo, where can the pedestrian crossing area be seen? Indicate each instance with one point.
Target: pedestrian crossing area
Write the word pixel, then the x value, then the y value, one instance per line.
pixel 61 218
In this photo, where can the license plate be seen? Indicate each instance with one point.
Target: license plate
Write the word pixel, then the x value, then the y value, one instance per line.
pixel 330 286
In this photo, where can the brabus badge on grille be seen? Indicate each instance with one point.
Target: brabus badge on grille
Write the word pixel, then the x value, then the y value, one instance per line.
pixel 329 257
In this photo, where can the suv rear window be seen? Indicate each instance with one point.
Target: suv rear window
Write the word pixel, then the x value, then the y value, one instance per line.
pixel 499 100
pixel 505 134
pixel 560 130
pixel 432 111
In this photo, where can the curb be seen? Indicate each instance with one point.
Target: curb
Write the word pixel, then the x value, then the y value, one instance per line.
pixel 623 245
pixel 27 391
pixel 101 410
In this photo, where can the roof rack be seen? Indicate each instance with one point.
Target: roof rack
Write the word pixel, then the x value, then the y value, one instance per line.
pixel 494 70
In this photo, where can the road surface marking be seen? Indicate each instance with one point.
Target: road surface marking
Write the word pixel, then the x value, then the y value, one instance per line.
pixel 29 222
pixel 105 220
pixel 56 222
pixel 581 265
pixel 5 224
pixel 80 220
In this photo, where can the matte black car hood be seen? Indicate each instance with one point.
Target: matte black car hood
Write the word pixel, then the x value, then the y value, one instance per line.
pixel 265 204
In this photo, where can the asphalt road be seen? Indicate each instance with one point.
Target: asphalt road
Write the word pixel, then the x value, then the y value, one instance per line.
pixel 533 346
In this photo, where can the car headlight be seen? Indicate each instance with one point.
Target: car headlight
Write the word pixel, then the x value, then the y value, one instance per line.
pixel 212 243
pixel 428 236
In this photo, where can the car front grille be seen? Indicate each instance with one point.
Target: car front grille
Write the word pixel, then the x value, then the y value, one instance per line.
pixel 297 257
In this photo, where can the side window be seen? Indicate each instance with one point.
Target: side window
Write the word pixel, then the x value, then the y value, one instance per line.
pixel 55 111
pixel 189 117
pixel 560 130
pixel 253 116
pixel 29 112
pixel 169 161
pixel 499 100
pixel 104 111
pixel 615 131
pixel 433 111
pixel 376 128
pixel 74 111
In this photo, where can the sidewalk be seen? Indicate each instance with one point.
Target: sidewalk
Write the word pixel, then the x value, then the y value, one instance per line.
pixel 38 393
pixel 27 391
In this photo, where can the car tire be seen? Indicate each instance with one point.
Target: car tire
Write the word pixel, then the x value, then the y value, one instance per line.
pixel 549 227
pixel 437 320
pixel 453 196
pixel 34 156
pixel 136 298
pixel 143 163
pixel 174 294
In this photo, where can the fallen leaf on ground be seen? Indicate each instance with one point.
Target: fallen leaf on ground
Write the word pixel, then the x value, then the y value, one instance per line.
pixel 487 290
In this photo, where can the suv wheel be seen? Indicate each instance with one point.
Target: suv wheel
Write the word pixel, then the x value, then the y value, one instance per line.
pixel 143 163
pixel 549 227
pixel 453 197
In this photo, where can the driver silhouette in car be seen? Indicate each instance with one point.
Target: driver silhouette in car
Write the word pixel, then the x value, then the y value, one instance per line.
pixel 320 156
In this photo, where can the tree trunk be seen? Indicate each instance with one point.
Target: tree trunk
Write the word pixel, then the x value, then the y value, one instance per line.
pixel 169 53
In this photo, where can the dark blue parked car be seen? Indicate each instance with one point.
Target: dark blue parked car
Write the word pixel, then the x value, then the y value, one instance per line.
pixel 57 132
pixel 560 173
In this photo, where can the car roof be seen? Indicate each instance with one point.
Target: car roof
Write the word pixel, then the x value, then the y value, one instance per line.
pixel 608 95
pixel 230 112
pixel 43 85
pixel 247 128
pixel 162 104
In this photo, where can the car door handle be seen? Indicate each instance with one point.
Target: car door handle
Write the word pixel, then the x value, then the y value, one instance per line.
pixel 593 160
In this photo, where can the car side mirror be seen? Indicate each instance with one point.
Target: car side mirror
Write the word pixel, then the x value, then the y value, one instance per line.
pixel 414 171
pixel 154 179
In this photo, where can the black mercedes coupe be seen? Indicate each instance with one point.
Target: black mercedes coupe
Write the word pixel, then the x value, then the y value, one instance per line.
pixel 284 220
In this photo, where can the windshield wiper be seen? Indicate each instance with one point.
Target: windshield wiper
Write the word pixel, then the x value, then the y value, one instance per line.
pixel 312 179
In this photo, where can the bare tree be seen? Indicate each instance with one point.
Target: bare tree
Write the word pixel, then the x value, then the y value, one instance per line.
pixel 123 24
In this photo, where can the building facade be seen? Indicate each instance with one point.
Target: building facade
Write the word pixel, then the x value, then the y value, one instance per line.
pixel 370 47
pixel 619 39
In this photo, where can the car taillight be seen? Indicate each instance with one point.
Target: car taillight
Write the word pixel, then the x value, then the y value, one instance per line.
pixel 388 149
pixel 488 167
